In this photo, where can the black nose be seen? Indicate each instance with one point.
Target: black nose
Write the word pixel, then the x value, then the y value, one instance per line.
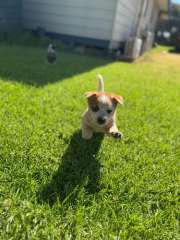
pixel 101 120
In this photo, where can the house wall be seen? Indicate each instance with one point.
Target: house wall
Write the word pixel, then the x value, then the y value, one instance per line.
pixel 81 18
pixel 10 15
pixel 111 21
pixel 125 22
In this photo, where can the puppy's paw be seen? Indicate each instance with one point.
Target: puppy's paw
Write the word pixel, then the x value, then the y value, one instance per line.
pixel 117 135
pixel 87 135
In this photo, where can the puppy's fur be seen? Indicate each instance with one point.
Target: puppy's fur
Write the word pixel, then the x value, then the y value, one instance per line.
pixel 101 113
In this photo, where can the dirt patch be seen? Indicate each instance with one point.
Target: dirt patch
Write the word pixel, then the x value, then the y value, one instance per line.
pixel 164 57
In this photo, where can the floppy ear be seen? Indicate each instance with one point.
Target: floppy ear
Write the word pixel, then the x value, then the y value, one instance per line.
pixel 90 94
pixel 118 99
pixel 91 98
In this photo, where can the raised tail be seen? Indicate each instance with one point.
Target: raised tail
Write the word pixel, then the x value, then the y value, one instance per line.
pixel 101 83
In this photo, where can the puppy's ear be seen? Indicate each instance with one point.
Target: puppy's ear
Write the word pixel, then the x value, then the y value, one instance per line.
pixel 118 99
pixel 91 98
pixel 90 94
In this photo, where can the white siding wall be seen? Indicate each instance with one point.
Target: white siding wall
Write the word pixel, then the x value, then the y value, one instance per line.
pixel 125 20
pixel 84 18
pixel 111 20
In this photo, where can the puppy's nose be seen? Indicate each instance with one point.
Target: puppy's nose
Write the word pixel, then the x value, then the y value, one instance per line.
pixel 101 120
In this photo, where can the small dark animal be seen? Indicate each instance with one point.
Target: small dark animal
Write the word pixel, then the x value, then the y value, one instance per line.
pixel 51 54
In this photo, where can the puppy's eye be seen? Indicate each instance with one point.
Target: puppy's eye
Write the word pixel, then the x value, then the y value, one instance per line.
pixel 95 109
pixel 109 111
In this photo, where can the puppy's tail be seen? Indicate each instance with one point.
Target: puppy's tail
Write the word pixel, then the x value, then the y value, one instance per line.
pixel 101 83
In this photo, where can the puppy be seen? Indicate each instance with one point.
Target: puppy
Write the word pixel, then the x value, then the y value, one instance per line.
pixel 101 113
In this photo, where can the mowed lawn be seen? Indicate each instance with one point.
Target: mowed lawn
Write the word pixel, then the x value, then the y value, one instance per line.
pixel 53 184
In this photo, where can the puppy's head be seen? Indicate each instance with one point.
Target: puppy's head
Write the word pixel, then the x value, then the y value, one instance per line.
pixel 102 106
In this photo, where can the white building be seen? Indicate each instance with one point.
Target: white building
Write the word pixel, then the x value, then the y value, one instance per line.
pixel 105 22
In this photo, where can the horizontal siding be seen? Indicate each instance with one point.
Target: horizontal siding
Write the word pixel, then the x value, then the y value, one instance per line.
pixel 83 18
pixel 98 4
pixel 72 12
pixel 10 12
pixel 10 3
pixel 69 29
pixel 126 19
pixel 56 19
pixel 10 15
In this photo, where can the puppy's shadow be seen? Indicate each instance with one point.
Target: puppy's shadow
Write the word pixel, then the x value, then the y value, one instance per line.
pixel 78 167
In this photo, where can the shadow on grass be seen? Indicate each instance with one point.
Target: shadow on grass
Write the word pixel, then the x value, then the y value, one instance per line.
pixel 28 65
pixel 174 50
pixel 78 168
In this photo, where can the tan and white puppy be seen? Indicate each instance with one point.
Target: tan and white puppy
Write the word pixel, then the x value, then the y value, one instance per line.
pixel 100 115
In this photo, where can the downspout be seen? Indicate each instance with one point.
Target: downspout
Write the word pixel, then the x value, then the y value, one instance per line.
pixel 140 18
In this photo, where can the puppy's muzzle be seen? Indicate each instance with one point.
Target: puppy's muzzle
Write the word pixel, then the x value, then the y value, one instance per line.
pixel 101 120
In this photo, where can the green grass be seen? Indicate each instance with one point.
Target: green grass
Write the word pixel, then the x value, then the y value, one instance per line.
pixel 53 184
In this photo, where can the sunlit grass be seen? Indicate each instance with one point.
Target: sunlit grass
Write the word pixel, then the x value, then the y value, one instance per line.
pixel 54 185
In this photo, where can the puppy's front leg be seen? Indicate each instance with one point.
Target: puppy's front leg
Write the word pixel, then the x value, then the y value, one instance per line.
pixel 87 132
pixel 114 132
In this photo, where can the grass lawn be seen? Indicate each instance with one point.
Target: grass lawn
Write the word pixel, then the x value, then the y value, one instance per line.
pixel 53 184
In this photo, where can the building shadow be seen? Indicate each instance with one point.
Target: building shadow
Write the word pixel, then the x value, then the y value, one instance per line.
pixel 79 167
pixel 28 65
